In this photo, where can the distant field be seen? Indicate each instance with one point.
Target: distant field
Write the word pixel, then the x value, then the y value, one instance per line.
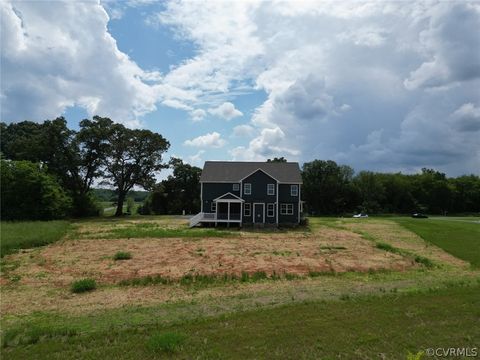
pixel 109 207
pixel 28 234
pixel 458 236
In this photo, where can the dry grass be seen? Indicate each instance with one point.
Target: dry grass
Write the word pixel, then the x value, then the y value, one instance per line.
pixel 42 276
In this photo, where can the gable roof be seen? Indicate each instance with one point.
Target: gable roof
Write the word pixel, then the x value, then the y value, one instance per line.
pixel 234 171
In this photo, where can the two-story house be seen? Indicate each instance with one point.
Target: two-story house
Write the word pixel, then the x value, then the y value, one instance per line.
pixel 250 193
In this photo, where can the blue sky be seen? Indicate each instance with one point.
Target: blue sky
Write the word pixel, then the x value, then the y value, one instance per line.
pixel 385 86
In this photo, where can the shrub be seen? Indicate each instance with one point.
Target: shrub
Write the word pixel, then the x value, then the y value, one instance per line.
pixel 424 261
pixel 28 192
pixel 83 285
pixel 122 255
pixel 168 342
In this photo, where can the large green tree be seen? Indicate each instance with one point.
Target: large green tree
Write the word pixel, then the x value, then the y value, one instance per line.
pixel 134 158
pixel 327 187
pixel 74 158
pixel 29 192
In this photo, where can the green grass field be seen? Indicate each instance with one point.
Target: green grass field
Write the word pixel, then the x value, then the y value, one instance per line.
pixel 352 328
pixel 352 315
pixel 459 237
pixel 28 234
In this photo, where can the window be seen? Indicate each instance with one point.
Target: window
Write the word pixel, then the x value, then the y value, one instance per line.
pixel 236 187
pixel 294 190
pixel 270 210
pixel 270 189
pixel 214 206
pixel 286 209
pixel 247 189
pixel 247 210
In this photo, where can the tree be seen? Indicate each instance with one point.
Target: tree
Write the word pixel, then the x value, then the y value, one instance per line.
pixel 180 191
pixel 326 186
pixel 73 158
pixel 371 190
pixel 133 158
pixel 277 160
pixel 29 192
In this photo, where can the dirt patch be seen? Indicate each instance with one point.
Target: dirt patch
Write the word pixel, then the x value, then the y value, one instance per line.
pixel 329 250
pixel 41 277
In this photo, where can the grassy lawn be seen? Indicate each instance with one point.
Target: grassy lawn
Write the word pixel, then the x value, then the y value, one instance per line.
pixel 352 328
pixel 459 238
pixel 380 302
pixel 28 234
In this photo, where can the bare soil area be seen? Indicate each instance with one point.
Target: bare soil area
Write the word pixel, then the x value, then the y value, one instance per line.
pixel 292 253
pixel 39 279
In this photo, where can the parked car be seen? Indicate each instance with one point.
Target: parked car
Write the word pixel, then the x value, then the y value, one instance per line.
pixel 360 216
pixel 419 216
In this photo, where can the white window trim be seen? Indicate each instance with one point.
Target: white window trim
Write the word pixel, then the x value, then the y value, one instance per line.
pixel 249 192
pixel 272 188
pixel 247 210
pixel 213 207
pixel 272 210
pixel 236 187
pixel 293 193
pixel 286 209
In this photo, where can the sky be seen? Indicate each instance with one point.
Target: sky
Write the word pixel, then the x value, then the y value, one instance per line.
pixel 382 86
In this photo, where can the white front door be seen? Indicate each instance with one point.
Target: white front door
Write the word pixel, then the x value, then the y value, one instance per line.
pixel 259 213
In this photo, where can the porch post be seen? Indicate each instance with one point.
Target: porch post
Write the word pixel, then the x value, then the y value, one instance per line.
pixel 216 213
pixel 228 217
pixel 241 213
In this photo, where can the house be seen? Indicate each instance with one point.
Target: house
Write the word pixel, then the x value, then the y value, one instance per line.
pixel 243 193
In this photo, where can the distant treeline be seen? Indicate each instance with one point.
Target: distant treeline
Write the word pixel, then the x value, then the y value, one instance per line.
pixel 334 189
pixel 101 194
pixel 48 170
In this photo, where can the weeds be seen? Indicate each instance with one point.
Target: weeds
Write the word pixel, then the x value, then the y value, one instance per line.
pixel 167 342
pixel 33 334
pixel 83 285
pixel 122 255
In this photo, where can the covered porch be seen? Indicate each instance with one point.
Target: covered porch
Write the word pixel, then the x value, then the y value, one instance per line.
pixel 228 209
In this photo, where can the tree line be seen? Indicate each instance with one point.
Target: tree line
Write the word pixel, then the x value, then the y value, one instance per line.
pixel 329 188
pixel 48 170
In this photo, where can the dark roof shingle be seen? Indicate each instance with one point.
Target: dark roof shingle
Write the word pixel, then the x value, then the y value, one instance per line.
pixel 234 171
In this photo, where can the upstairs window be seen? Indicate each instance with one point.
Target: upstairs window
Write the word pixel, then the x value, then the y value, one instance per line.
pixel 247 209
pixel 294 190
pixel 270 189
pixel 236 187
pixel 247 189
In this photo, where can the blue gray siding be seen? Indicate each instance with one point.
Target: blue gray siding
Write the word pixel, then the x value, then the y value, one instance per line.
pixel 212 191
pixel 259 181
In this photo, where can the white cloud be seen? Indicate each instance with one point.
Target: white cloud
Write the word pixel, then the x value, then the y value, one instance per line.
pixel 226 111
pixel 198 115
pixel 467 118
pixel 196 159
pixel 243 130
pixel 210 140
pixel 71 59
pixel 341 78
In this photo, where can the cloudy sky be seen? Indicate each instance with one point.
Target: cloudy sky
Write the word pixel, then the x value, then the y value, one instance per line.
pixel 388 86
